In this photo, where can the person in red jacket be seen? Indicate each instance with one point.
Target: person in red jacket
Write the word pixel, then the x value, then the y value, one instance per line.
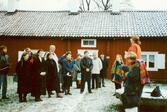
pixel 135 46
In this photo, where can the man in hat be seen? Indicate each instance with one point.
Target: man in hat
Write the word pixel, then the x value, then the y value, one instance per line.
pixel 131 95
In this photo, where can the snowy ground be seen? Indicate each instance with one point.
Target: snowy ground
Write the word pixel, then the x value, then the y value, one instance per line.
pixel 99 101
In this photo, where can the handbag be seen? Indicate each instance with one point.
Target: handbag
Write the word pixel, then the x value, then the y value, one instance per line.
pixel 156 92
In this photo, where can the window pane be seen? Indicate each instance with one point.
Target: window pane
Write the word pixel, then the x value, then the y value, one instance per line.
pixel 151 61
pixel 85 42
pixel 144 57
pixel 91 42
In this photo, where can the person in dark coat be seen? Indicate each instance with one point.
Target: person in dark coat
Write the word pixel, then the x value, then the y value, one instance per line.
pixel 39 78
pixel 68 71
pixel 52 50
pixel 103 72
pixel 23 70
pixel 4 68
pixel 131 96
pixel 52 81
pixel 61 75
pixel 86 68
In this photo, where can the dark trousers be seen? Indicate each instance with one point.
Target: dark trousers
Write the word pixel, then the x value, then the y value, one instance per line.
pixel 67 83
pixel 57 85
pixel 102 79
pixel 95 80
pixel 85 78
pixel 3 84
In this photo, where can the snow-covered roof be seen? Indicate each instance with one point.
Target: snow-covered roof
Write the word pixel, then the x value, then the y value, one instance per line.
pixel 84 24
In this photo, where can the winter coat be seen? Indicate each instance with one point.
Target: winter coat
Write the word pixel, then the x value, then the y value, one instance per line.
pixel 117 73
pixel 4 64
pixel 77 68
pixel 68 67
pixel 97 66
pixel 132 80
pixel 23 70
pixel 86 62
pixel 52 80
pixel 136 49
pixel 132 87
pixel 39 82
pixel 105 66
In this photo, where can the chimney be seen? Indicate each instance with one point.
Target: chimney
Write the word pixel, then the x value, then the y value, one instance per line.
pixel 11 6
pixel 115 6
pixel 74 7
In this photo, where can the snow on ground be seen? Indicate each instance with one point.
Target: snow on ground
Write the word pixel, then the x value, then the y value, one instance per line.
pixel 150 87
pixel 99 100
pixel 95 102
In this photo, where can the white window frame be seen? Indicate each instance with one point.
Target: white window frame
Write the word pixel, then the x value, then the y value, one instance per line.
pixel 89 46
pixel 155 62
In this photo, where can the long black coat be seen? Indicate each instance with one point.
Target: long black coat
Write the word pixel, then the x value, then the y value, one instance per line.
pixel 4 64
pixel 86 63
pixel 105 66
pixel 52 81
pixel 23 70
pixel 38 81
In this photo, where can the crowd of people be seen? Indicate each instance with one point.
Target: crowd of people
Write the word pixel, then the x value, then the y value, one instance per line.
pixel 43 72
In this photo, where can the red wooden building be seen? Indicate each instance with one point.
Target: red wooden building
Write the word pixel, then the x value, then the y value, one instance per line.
pixel 102 32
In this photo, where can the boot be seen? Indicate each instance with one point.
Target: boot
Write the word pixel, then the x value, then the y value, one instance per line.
pixel 66 92
pixel 38 99
pixel 5 97
pixel 20 98
pixel 49 94
pixel 59 95
pixel 24 98
pixel 69 92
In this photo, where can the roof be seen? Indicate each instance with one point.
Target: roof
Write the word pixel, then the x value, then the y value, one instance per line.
pixel 84 24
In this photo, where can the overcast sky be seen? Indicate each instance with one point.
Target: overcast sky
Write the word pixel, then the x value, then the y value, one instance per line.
pixel 73 4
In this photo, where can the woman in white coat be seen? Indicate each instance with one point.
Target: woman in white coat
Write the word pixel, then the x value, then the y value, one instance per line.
pixel 97 66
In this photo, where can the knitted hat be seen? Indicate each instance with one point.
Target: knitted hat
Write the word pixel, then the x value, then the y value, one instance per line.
pixel 131 55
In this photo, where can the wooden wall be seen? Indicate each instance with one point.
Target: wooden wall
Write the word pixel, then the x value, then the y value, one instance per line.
pixel 110 47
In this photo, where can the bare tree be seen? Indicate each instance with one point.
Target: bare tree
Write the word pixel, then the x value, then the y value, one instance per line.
pixel 85 5
pixel 103 4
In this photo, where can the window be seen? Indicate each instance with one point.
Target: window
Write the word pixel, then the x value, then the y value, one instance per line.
pixel 153 60
pixel 88 43
pixel 150 60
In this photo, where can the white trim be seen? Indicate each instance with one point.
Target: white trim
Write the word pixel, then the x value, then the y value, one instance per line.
pixel 89 46
pixel 161 61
